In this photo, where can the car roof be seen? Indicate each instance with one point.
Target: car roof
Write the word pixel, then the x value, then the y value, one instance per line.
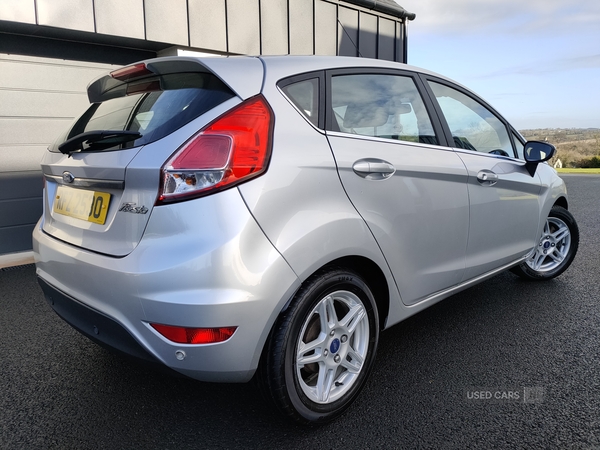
pixel 290 64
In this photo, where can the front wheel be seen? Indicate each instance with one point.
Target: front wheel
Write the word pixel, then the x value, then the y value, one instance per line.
pixel 555 249
pixel 322 348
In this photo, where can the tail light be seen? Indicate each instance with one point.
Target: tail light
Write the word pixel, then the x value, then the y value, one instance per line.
pixel 234 148
pixel 183 335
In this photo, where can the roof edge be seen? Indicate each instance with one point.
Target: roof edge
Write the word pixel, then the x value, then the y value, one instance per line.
pixel 386 7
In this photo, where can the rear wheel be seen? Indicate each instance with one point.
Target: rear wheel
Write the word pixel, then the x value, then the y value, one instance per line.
pixel 555 249
pixel 322 348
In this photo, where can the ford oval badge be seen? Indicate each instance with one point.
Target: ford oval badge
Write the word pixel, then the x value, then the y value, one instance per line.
pixel 68 177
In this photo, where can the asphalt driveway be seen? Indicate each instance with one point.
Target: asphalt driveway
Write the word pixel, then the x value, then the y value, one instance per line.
pixel 505 364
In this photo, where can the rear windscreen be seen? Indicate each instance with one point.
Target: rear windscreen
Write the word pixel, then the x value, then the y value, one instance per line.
pixel 153 107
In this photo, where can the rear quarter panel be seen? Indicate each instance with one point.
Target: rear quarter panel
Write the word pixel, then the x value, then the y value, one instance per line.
pixel 300 203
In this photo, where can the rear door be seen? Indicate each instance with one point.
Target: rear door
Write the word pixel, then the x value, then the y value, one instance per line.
pixel 410 190
pixel 504 202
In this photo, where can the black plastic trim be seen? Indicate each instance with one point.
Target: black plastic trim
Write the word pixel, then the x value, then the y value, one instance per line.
pixel 93 324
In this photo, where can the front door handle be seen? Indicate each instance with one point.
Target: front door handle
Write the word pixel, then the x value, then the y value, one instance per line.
pixel 487 177
pixel 373 169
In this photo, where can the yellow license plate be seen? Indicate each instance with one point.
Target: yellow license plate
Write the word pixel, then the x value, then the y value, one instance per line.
pixel 91 206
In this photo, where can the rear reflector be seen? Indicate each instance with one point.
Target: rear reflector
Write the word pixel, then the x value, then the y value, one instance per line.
pixel 183 335
pixel 234 148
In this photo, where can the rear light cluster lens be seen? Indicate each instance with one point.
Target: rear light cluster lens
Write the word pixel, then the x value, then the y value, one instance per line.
pixel 183 335
pixel 230 150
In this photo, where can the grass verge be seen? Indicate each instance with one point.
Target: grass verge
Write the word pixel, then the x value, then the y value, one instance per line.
pixel 593 171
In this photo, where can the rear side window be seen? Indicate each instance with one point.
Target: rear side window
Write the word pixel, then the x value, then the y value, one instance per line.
pixel 154 107
pixel 380 105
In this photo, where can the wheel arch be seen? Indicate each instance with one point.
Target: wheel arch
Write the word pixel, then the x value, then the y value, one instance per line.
pixel 372 274
pixel 561 201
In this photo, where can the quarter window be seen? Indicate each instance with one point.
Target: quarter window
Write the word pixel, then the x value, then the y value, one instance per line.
pixel 519 146
pixel 379 105
pixel 473 126
pixel 305 96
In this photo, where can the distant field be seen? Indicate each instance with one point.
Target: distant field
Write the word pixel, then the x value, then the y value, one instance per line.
pixel 576 147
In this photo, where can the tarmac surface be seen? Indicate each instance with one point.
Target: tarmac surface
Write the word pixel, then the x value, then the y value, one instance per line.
pixel 534 348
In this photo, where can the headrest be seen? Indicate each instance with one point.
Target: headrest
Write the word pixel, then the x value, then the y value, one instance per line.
pixel 361 115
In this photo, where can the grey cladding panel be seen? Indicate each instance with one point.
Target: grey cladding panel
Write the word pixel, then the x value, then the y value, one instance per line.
pixel 20 212
pixel 325 28
pixel 301 26
pixel 166 21
pixel 16 239
pixel 387 39
pixel 347 32
pixel 20 208
pixel 120 18
pixel 274 28
pixel 367 38
pixel 71 14
pixel 243 26
pixel 21 185
pixel 400 41
pixel 208 24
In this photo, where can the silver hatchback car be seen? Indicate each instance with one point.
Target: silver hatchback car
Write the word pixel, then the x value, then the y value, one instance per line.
pixel 267 217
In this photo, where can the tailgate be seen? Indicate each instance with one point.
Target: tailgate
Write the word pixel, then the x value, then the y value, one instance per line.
pixel 101 186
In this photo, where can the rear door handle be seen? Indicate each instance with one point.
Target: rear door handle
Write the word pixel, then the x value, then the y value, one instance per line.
pixel 487 177
pixel 373 169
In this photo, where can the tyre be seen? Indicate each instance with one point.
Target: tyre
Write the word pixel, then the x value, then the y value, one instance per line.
pixel 322 348
pixel 556 248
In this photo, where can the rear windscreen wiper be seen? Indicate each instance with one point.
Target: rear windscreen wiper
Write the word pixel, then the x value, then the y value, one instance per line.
pixel 97 140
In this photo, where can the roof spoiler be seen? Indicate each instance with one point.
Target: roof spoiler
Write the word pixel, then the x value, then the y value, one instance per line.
pixel 245 79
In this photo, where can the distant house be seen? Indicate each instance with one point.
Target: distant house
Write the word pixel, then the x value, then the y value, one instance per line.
pixel 51 49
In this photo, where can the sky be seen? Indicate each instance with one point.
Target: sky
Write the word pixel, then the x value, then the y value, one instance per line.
pixel 535 61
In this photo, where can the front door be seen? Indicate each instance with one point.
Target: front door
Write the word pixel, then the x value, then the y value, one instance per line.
pixel 504 206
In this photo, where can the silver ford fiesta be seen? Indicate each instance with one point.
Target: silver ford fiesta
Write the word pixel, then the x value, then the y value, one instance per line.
pixel 267 217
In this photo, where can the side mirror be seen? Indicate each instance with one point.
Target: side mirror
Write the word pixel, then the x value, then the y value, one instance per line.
pixel 536 152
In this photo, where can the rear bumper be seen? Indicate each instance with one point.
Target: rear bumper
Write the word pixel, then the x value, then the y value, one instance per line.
pixel 93 324
pixel 191 269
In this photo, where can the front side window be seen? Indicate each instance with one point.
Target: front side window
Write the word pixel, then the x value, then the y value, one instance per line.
pixel 380 105
pixel 473 126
